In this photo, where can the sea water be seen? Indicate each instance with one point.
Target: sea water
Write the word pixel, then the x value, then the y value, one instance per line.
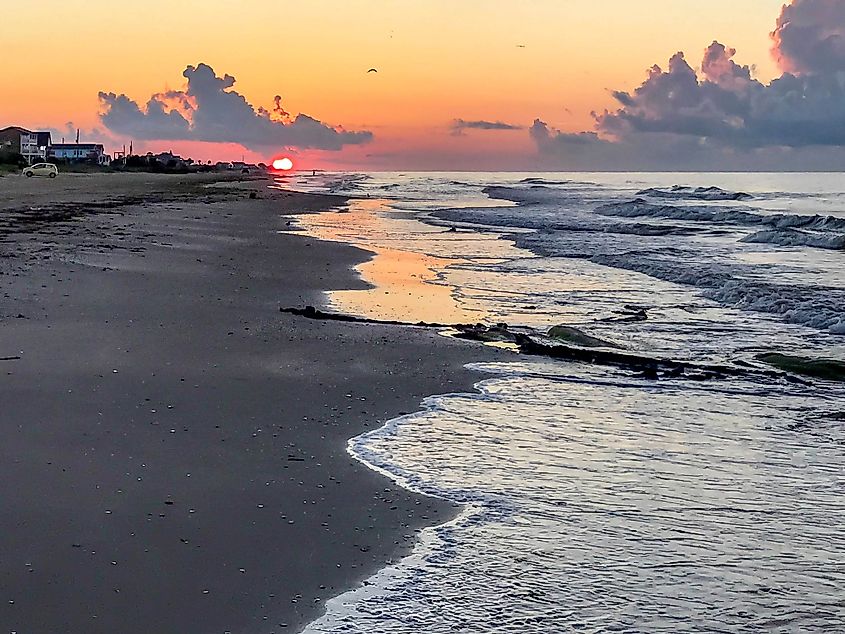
pixel 596 498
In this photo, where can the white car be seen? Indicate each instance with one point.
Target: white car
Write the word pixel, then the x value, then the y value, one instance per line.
pixel 41 169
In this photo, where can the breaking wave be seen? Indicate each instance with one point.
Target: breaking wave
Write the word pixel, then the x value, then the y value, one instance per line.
pixel 797 238
pixel 694 193
pixel 639 208
pixel 814 306
pixel 630 228
pixel 534 180
pixel 346 183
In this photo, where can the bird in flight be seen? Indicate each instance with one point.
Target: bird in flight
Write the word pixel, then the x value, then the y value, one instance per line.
pixel 373 70
pixel 520 45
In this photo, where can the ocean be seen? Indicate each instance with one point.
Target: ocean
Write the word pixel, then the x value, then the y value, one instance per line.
pixel 597 497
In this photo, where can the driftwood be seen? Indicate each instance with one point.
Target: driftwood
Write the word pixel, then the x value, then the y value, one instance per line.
pixel 309 312
pixel 535 343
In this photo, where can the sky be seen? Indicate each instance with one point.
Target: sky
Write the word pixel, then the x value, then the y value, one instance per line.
pixel 468 84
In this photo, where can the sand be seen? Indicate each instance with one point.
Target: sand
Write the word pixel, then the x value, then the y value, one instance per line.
pixel 173 447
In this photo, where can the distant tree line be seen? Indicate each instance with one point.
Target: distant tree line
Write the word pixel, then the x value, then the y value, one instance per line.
pixel 150 163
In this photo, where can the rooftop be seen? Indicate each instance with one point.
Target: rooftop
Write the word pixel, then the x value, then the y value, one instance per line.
pixel 76 146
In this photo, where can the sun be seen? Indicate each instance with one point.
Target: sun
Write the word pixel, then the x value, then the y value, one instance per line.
pixel 283 164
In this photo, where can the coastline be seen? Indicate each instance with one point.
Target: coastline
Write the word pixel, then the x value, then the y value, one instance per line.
pixel 178 446
pixel 583 460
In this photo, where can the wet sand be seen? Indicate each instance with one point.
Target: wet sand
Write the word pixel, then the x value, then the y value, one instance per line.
pixel 173 447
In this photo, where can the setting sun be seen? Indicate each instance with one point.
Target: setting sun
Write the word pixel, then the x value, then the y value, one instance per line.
pixel 284 164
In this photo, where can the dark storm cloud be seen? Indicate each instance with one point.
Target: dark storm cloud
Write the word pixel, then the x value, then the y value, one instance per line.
pixel 660 151
pixel 810 36
pixel 720 115
pixel 724 104
pixel 210 110
pixel 459 125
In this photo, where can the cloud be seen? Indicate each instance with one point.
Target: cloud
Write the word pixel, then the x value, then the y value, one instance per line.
pixel 209 110
pixel 543 136
pixel 810 36
pixel 86 135
pixel 459 125
pixel 721 115
pixel 575 150
pixel 647 151
pixel 123 116
pixel 656 151
pixel 726 105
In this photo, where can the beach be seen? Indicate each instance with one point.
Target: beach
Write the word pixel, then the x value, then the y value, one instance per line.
pixel 198 439
pixel 410 318
pixel 174 447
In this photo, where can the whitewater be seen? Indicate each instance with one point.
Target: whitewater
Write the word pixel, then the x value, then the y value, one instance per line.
pixel 599 498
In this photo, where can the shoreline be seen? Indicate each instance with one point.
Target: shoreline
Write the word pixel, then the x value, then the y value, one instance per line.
pixel 177 302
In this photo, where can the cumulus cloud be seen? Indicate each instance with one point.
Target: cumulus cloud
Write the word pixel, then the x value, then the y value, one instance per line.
pixel 810 36
pixel 721 115
pixel 459 125
pixel 726 105
pixel 208 109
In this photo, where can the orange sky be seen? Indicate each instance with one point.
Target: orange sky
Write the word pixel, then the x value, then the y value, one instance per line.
pixel 438 60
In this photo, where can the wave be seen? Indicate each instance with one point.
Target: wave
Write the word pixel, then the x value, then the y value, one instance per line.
pixel 639 208
pixel 347 182
pixel 695 193
pixel 535 194
pixel 567 225
pixel 796 238
pixel 727 282
pixel 581 225
pixel 628 228
pixel 815 306
pixel 536 180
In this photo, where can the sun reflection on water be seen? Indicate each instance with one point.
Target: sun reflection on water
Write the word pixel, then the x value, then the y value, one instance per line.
pixel 407 285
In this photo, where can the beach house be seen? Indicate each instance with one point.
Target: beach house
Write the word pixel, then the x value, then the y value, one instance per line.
pixel 93 153
pixel 33 146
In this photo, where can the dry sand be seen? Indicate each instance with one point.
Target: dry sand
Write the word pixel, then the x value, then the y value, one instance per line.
pixel 173 448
